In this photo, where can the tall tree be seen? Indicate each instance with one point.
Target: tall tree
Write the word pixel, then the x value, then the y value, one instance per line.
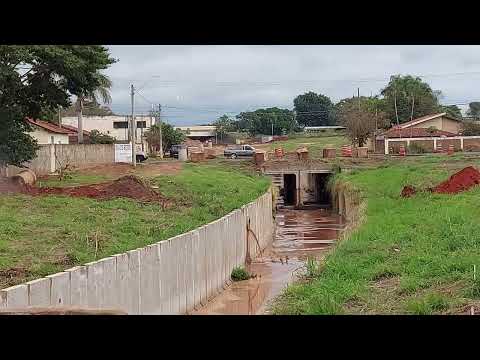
pixel 262 121
pixel 452 110
pixel 170 136
pixel 314 110
pixel 360 120
pixel 474 110
pixel 407 92
pixel 92 96
pixel 36 79
pixel 223 125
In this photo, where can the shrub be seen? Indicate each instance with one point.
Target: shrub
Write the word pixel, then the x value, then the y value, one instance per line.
pixel 239 273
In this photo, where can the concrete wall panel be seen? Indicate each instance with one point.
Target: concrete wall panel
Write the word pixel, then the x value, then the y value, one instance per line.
pixel 39 292
pixel 60 289
pixel 134 282
pixel 121 279
pixel 15 296
pixel 78 285
pixel 94 284
pixel 109 283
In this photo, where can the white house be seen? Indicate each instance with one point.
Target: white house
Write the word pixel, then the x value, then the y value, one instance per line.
pixel 47 133
pixel 116 126
pixel 198 132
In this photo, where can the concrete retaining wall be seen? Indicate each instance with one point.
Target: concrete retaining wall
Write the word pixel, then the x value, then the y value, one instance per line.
pixel 172 276
pixel 51 157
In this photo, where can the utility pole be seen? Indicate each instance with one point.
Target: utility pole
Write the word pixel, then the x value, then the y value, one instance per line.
pixel 395 99
pixel 413 106
pixel 160 127
pixel 358 93
pixel 59 118
pixel 133 128
pixel 272 126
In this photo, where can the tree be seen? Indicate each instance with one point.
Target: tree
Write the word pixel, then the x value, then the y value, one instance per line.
pixel 452 111
pixel 97 137
pixel 360 121
pixel 91 96
pixel 471 128
pixel 36 79
pixel 260 121
pixel 92 108
pixel 170 136
pixel 474 110
pixel 314 110
pixel 224 125
pixel 409 91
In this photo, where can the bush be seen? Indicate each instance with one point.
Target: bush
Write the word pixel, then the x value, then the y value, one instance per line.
pixel 471 128
pixel 415 148
pixel 239 273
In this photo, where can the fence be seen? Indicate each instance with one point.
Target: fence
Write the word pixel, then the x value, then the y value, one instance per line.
pixel 172 276
pixel 53 156
pixel 460 143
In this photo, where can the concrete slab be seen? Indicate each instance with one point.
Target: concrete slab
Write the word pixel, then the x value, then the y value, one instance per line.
pixel 78 285
pixel 59 289
pixel 134 282
pixel 121 278
pixel 94 284
pixel 15 296
pixel 39 292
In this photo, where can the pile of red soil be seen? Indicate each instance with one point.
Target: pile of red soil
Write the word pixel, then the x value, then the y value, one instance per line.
pixel 408 191
pixel 127 187
pixel 463 180
pixel 460 181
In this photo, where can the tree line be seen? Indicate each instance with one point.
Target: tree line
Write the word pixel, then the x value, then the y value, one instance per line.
pixel 402 99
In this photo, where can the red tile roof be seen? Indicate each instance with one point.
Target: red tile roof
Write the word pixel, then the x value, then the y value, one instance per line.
pixel 397 132
pixel 49 126
pixel 74 129
pixel 425 118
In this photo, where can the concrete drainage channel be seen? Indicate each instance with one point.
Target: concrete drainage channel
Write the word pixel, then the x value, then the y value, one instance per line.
pixel 307 225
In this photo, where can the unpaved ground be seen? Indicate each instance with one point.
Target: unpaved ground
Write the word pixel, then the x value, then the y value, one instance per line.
pixel 151 168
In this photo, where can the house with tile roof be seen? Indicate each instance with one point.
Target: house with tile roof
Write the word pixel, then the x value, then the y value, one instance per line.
pixel 47 133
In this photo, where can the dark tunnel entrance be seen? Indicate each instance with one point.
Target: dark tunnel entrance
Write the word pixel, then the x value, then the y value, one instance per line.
pixel 322 195
pixel 290 189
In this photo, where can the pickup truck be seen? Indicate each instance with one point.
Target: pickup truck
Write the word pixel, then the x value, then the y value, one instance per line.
pixel 240 150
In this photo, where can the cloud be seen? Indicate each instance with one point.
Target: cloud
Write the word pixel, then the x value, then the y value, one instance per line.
pixel 196 84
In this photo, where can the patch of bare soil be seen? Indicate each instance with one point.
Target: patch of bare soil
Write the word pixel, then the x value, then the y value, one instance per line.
pixel 125 187
pixel 12 276
pixel 148 169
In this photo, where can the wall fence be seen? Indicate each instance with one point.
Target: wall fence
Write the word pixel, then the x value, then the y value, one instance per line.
pixel 52 157
pixel 172 276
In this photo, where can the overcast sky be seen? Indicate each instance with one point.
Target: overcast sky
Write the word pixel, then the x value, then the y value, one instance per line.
pixel 197 84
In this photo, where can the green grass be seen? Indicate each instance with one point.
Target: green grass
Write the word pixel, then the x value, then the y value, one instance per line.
pixel 43 235
pixel 315 144
pixel 413 255
pixel 239 274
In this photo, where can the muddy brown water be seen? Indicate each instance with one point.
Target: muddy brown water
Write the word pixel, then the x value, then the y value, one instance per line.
pixel 299 234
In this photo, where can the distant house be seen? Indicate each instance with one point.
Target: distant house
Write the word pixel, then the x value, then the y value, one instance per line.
pixel 440 121
pixel 430 126
pixel 47 133
pixel 198 132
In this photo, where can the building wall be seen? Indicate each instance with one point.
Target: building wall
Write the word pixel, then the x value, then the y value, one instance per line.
pixel 45 137
pixel 105 125
pixel 441 123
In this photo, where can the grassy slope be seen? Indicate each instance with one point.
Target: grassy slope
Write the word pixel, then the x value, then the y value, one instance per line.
pixel 48 234
pixel 412 255
pixel 315 144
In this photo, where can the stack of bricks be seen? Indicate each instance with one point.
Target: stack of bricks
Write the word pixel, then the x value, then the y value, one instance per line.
pixel 210 153
pixel 302 153
pixel 197 156
pixel 329 153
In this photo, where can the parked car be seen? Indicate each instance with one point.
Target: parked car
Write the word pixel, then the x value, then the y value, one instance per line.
pixel 174 151
pixel 238 151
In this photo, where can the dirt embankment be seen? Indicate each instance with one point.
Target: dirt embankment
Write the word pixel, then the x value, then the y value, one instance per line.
pixel 125 187
pixel 463 180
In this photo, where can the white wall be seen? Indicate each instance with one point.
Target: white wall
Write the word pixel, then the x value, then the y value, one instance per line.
pixel 105 124
pixel 172 276
pixel 44 137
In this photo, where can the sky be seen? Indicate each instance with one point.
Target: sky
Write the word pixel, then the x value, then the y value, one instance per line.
pixel 197 84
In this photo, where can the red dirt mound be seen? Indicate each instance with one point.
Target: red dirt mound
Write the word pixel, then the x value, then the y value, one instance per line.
pixel 460 181
pixel 127 186
pixel 408 191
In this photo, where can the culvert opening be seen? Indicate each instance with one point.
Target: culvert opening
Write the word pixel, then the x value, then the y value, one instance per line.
pixel 322 195
pixel 290 189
